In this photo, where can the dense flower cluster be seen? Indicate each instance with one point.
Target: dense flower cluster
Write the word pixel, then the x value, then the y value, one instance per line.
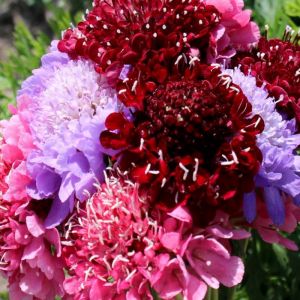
pixel 194 140
pixel 275 64
pixel 114 248
pixel 154 135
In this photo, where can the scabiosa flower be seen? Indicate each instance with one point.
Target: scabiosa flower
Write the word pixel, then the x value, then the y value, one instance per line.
pixel 70 103
pixel 235 31
pixel 116 247
pixel 278 141
pixel 147 34
pixel 109 243
pixel 193 142
pixel 16 144
pixel 151 36
pixel 28 260
pixel 275 64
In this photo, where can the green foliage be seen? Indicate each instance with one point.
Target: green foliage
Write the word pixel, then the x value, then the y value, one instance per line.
pixel 4 296
pixel 275 13
pixel 292 8
pixel 28 50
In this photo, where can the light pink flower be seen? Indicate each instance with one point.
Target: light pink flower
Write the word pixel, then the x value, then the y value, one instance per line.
pixel 272 234
pixel 109 243
pixel 213 263
pixel 235 32
pixel 31 259
pixel 30 254
pixel 221 227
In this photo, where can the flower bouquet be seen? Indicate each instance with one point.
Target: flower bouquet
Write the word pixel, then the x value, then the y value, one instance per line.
pixel 154 137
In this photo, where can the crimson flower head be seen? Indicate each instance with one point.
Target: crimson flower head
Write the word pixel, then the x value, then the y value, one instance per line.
pixel 147 34
pixel 275 63
pixel 193 142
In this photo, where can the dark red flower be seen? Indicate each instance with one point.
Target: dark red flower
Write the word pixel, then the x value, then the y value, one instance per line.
pixel 194 141
pixel 276 64
pixel 150 36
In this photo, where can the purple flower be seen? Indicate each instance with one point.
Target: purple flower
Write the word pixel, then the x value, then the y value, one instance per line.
pixel 70 104
pixel 280 165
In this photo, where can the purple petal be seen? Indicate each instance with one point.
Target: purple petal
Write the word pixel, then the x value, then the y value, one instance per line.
pixel 58 212
pixel 249 206
pixel 67 187
pixel 275 205
pixel 296 200
pixel 78 164
pixel 47 183
pixel 85 186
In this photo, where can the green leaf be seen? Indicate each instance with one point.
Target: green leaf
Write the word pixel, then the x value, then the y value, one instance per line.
pixel 281 255
pixel 292 8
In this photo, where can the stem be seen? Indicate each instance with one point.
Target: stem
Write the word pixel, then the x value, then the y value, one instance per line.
pixel 231 293
pixel 214 294
pixel 243 245
pixel 208 294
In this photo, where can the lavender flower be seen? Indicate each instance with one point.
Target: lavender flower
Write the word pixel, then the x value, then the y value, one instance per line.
pixel 70 104
pixel 278 172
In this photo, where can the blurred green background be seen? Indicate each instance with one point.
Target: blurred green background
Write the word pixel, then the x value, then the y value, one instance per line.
pixel 26 29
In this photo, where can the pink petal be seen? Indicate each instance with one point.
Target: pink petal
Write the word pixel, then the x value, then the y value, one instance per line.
pixel 34 225
pixel 213 263
pixel 172 280
pixel 181 214
pixel 246 35
pixel 224 6
pixel 33 249
pixel 46 263
pixel 171 240
pixel 53 237
pixel 21 235
pixel 196 289
pixel 31 283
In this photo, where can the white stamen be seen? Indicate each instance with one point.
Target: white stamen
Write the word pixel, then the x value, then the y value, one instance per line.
pixel 186 171
pixel 196 169
pixel 134 86
pixel 164 181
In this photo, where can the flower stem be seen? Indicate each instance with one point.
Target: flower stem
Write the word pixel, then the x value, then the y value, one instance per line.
pixel 208 294
pixel 214 294
pixel 243 245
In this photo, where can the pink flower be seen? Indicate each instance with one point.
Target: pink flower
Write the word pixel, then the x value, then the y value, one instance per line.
pixel 31 259
pixel 30 254
pixel 15 147
pixel 272 234
pixel 16 133
pixel 235 30
pixel 210 260
pixel 110 242
pixel 221 227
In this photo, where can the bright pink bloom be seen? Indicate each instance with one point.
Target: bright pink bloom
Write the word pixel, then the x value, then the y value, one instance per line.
pixel 235 30
pixel 115 248
pixel 31 259
pixel 30 254
pixel 109 242
pixel 17 144
pixel 272 234
pixel 221 227
pixel 213 263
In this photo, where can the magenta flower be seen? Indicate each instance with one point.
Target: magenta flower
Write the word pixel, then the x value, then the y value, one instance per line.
pixel 34 270
pixel 116 248
pixel 235 32
pixel 209 259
